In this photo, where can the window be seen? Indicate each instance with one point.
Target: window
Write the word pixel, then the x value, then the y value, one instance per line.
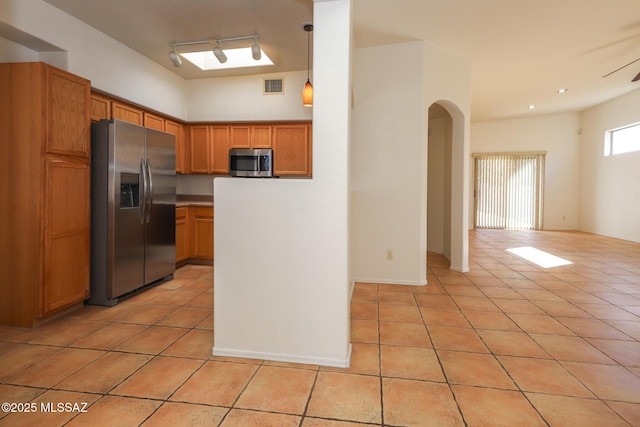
pixel 508 190
pixel 622 140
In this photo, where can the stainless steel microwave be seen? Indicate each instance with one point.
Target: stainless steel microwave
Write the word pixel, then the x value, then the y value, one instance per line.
pixel 257 163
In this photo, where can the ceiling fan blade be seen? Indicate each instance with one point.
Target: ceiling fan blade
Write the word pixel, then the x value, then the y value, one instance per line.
pixel 636 78
pixel 624 66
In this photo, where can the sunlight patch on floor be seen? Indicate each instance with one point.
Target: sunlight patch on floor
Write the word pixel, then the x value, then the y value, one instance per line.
pixel 541 258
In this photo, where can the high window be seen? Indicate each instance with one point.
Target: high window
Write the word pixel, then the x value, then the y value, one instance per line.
pixel 622 140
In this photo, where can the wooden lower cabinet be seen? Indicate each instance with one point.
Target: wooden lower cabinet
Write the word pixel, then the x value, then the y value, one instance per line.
pixel 203 233
pixel 67 233
pixel 182 234
pixel 194 234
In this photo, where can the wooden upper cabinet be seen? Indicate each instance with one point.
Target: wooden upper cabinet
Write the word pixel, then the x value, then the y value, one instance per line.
pixel 67 103
pixel 127 113
pixel 100 107
pixel 178 130
pixel 261 136
pixel 291 150
pixel 204 148
pixel 152 121
pixel 219 149
pixel 200 149
pixel 240 137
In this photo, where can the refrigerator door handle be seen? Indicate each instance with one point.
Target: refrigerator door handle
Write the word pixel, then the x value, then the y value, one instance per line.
pixel 149 190
pixel 143 196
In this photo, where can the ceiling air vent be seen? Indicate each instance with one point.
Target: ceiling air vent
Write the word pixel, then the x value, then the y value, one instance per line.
pixel 274 86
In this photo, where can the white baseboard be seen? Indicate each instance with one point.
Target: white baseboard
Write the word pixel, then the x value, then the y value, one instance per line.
pixel 281 357
pixel 393 282
pixel 458 269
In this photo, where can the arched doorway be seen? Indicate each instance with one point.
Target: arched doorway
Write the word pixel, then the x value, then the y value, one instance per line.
pixel 439 181
pixel 447 184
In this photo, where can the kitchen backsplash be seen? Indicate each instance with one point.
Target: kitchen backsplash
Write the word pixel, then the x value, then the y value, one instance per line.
pixel 194 184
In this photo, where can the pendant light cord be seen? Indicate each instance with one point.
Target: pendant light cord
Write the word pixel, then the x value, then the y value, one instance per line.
pixel 308 53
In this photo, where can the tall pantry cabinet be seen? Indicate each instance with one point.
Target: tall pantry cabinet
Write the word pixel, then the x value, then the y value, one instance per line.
pixel 44 191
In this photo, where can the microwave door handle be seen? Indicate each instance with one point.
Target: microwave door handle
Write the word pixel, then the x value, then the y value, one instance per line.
pixel 259 157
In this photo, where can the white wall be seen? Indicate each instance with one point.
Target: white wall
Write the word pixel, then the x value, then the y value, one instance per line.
pixel 14 52
pixel 111 66
pixel 394 87
pixel 389 134
pixel 557 135
pixel 282 248
pixel 609 186
pixel 448 82
pixel 242 98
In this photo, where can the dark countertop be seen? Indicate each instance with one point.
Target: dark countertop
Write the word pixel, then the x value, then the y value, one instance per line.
pixel 183 200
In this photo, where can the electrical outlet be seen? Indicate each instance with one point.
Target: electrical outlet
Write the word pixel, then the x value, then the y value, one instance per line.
pixel 389 255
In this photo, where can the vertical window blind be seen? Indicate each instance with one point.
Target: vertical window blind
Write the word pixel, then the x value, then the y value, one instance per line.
pixel 508 190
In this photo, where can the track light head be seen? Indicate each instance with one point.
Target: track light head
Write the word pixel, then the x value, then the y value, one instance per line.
pixel 218 52
pixel 256 52
pixel 175 58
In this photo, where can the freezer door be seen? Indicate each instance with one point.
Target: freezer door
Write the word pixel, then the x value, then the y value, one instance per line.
pixel 160 218
pixel 126 252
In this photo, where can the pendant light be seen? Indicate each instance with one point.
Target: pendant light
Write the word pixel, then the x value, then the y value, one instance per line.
pixel 307 92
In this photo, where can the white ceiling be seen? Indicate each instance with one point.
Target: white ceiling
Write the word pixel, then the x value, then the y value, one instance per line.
pixel 521 51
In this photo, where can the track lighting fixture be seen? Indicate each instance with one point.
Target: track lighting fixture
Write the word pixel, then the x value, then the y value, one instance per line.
pixel 256 51
pixel 175 58
pixel 217 51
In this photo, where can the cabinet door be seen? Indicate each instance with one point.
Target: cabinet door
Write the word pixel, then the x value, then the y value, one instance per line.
pixel 68 126
pixel 291 150
pixel 178 130
pixel 152 121
pixel 199 149
pixel 100 107
pixel 220 149
pixel 203 232
pixel 67 234
pixel 240 137
pixel 127 113
pixel 261 136
pixel 182 234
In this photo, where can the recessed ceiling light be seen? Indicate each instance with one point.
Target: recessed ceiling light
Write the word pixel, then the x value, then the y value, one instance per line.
pixel 562 90
pixel 236 58
pixel 531 107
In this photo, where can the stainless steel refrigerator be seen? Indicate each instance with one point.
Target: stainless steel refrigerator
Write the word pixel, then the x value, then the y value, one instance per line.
pixel 133 196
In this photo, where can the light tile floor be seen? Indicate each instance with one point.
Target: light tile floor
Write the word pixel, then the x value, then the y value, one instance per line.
pixel 506 344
